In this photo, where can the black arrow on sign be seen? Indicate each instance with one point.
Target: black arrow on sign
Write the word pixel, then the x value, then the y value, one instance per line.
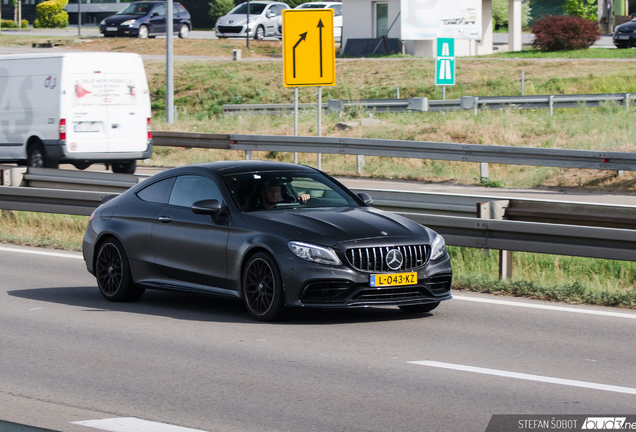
pixel 320 26
pixel 303 36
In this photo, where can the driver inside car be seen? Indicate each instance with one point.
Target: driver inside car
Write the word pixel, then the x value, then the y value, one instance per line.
pixel 271 195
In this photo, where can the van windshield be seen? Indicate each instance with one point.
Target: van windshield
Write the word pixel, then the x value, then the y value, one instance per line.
pixel 137 9
pixel 255 9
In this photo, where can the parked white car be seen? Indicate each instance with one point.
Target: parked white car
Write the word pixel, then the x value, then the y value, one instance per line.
pixel 337 14
pixel 265 19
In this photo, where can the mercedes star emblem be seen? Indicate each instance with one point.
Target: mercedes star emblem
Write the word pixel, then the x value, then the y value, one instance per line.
pixel 394 259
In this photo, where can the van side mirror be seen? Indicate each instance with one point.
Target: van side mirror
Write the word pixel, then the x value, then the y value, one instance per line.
pixel 366 198
pixel 154 14
pixel 210 207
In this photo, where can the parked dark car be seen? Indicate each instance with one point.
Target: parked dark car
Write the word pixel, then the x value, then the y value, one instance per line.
pixel 624 36
pixel 275 235
pixel 146 19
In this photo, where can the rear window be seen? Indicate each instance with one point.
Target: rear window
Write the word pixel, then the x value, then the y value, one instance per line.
pixel 157 192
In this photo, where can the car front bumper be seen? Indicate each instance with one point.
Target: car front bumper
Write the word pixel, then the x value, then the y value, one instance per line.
pixel 121 31
pixel 317 286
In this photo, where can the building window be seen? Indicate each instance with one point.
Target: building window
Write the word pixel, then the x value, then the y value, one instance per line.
pixel 381 11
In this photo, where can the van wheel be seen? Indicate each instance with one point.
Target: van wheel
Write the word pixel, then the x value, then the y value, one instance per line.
pixel 125 167
pixel 36 158
pixel 143 32
pixel 82 165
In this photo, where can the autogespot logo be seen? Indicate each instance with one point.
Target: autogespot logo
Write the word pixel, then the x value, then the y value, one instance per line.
pixel 606 423
pixel 394 259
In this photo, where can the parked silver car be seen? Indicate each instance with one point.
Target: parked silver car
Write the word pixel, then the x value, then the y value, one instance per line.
pixel 265 18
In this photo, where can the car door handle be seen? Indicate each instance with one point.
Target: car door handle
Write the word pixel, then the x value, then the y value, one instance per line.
pixel 165 219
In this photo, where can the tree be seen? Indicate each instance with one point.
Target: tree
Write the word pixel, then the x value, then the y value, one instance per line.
pixel 587 9
pixel 500 13
pixel 218 8
pixel 564 32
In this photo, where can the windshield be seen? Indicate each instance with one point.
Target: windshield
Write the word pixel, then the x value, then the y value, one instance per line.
pixel 255 9
pixel 137 9
pixel 311 6
pixel 284 189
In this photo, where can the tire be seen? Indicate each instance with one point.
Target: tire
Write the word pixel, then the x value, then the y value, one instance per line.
pixel 81 165
pixel 421 308
pixel 259 34
pixel 113 275
pixel 124 167
pixel 263 288
pixel 143 32
pixel 37 158
pixel 184 31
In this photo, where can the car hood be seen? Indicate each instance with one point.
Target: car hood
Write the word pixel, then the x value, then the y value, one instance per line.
pixel 236 19
pixel 329 227
pixel 118 19
pixel 627 27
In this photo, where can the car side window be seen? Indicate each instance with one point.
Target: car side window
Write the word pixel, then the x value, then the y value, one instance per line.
pixel 176 9
pixel 337 10
pixel 160 9
pixel 276 9
pixel 158 192
pixel 189 189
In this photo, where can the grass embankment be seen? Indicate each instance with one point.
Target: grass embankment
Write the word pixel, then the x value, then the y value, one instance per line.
pixel 203 87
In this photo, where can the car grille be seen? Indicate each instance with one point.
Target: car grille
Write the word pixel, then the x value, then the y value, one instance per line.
pixel 389 294
pixel 373 259
pixel 227 29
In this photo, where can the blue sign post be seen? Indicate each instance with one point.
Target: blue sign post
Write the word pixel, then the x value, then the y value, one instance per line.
pixel 445 62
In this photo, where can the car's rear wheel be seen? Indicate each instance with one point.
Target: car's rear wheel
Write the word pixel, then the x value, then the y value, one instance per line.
pixel 259 34
pixel 143 32
pixel 184 31
pixel 125 167
pixel 112 271
pixel 263 288
pixel 421 308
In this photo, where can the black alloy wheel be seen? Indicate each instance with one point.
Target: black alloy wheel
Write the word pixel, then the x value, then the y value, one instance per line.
pixel 113 273
pixel 37 158
pixel 263 288
pixel 421 308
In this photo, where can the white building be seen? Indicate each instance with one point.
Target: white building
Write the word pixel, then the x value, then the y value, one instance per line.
pixel 368 19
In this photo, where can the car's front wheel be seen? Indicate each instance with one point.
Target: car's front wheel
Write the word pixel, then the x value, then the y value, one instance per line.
pixel 184 31
pixel 260 33
pixel 263 288
pixel 421 308
pixel 143 32
pixel 112 271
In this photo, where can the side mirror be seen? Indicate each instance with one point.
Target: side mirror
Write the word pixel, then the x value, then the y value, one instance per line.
pixel 366 198
pixel 154 14
pixel 210 207
pixel 270 14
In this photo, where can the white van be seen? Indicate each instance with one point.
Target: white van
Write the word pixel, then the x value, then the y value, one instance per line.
pixel 78 108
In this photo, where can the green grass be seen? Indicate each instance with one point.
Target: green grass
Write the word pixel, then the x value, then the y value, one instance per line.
pixel 591 53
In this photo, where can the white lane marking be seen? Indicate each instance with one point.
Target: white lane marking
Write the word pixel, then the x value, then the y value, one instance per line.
pixel 547 307
pixel 527 377
pixel 132 424
pixel 37 252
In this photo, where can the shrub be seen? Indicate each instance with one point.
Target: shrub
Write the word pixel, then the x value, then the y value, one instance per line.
pixel 24 24
pixel 36 24
pixel 563 32
pixel 7 23
pixel 51 14
pixel 218 8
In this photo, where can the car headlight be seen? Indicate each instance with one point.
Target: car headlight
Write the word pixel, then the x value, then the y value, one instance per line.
pixel 129 22
pixel 438 248
pixel 103 22
pixel 313 253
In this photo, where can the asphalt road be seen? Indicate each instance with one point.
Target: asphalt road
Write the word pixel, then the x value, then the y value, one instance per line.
pixel 67 355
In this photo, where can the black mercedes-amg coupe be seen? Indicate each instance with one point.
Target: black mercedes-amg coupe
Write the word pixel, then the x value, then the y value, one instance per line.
pixel 275 235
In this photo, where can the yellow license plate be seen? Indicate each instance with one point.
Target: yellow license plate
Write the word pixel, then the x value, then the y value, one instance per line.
pixel 394 279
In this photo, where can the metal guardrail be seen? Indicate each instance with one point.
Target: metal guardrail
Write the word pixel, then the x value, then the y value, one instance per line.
pixel 423 104
pixel 511 235
pixel 563 158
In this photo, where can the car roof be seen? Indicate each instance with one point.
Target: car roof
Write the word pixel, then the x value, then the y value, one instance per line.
pixel 240 166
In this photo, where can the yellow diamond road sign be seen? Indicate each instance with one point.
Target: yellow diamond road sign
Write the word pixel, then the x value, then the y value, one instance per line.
pixel 309 55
